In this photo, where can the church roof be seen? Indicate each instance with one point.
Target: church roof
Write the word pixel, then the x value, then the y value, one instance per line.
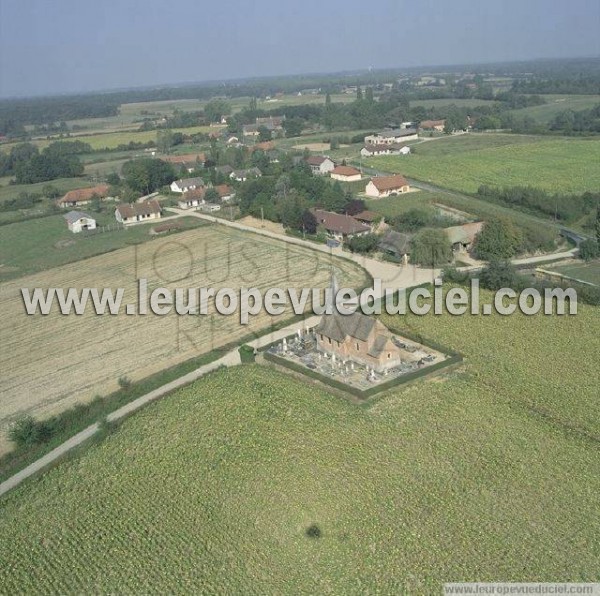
pixel 338 326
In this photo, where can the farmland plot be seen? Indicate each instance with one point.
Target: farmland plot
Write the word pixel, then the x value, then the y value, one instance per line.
pixel 48 363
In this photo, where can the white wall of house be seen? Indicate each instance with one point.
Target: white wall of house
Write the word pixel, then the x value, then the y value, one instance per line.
pixel 372 191
pixel 85 223
pixel 346 178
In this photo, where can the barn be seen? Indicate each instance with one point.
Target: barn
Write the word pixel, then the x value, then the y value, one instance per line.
pixel 77 221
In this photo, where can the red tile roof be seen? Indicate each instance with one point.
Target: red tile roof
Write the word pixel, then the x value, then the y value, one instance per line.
pixel 383 183
pixel 224 190
pixel 128 210
pixel 84 194
pixel 195 194
pixel 338 223
pixel 345 171
pixel 315 160
pixel 188 158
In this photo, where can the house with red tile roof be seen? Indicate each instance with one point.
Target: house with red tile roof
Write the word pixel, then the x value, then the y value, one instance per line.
pixel 83 196
pixel 385 186
pixel 345 174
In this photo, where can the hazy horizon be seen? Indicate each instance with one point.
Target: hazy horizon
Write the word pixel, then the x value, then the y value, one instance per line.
pixel 121 45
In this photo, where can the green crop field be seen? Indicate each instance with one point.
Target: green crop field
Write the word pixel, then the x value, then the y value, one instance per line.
pixel 465 162
pixel 556 104
pixel 589 272
pixel 442 103
pixel 490 473
pixel 39 244
pixel 12 191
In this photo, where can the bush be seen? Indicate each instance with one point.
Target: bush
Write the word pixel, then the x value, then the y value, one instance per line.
pixel 27 431
pixel 124 382
pixel 246 353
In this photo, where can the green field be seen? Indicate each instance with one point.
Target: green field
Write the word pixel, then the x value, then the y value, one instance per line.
pixel 39 244
pixel 443 103
pixel 465 162
pixel 558 103
pixel 589 272
pixel 490 473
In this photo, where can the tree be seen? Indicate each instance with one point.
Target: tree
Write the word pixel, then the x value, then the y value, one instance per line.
pixel 212 195
pixel 145 175
pixel 431 248
pixel 327 100
pixel 499 239
pixel 50 191
pixel 589 249
pixel 598 225
pixel 113 179
pixel 216 108
pixel 359 94
pixel 293 127
pixel 412 220
pixel 264 134
pixel 369 94
pixel 355 206
pixel 498 274
pixel 309 222
pixel 164 140
pixel 363 244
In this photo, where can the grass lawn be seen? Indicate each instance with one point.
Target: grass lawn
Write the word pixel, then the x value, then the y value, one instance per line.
pixel 558 103
pixel 465 162
pixel 62 184
pixel 442 103
pixel 484 474
pixel 585 271
pixel 39 244
pixel 393 206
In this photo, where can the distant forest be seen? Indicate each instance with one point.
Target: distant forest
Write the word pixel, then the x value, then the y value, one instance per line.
pixel 530 79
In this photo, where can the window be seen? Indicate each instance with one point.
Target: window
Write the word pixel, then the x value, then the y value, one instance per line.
pixel 329 338
pixel 357 347
pixel 389 355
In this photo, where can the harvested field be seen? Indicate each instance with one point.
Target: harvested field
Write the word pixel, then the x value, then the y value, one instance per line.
pixel 313 146
pixel 51 362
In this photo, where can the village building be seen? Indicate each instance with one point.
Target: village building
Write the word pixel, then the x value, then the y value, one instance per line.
pixel 188 162
pixel 359 338
pixel 78 221
pixel 462 237
pixel 385 186
pixel 345 174
pixel 376 221
pixel 392 136
pixel 243 175
pixel 393 149
pixel 186 184
pixel 83 196
pixel 130 213
pixel 192 198
pixel 226 192
pixel 396 244
pixel 340 226
pixel 225 170
pixel 436 125
pixel 320 164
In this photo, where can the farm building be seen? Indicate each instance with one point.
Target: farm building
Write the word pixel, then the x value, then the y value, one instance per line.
pixel 192 198
pixel 320 165
pixel 462 237
pixel 83 196
pixel 370 218
pixel 359 338
pixel 396 244
pixel 210 207
pixel 339 226
pixel 78 221
pixel 393 149
pixel 226 192
pixel 185 184
pixel 385 186
pixel 243 175
pixel 437 125
pixel 189 162
pixel 392 136
pixel 345 174
pixel 136 212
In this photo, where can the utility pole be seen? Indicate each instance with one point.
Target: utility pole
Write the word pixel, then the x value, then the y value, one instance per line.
pixel 262 217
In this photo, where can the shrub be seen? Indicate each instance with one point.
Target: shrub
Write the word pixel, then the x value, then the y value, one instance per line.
pixel 124 382
pixel 588 250
pixel 27 431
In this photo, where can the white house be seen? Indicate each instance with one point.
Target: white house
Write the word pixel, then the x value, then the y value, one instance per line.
pixel 135 212
pixel 392 136
pixel 320 165
pixel 78 221
pixel 192 198
pixel 340 226
pixel 226 192
pixel 374 150
pixel 345 174
pixel 185 184
pixel 243 175
pixel 385 186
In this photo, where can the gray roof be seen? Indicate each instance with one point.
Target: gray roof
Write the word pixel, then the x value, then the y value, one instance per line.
pixel 378 346
pixel 190 182
pixel 338 326
pixel 226 169
pixel 73 216
pixel 395 242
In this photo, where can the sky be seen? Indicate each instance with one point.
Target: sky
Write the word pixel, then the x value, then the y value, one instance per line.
pixel 65 46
